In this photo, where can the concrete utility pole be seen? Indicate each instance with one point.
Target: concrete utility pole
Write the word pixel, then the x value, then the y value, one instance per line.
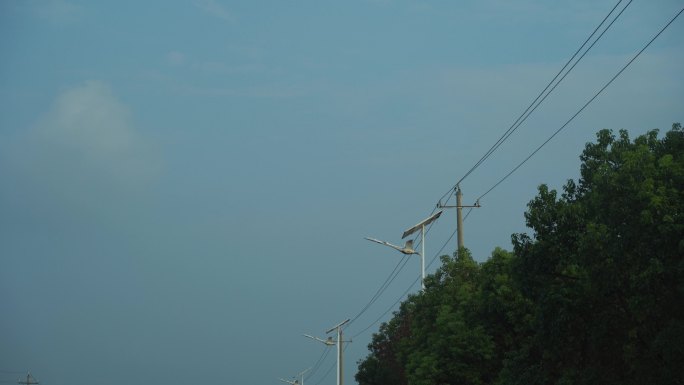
pixel 301 375
pixel 295 382
pixel 330 342
pixel 29 380
pixel 340 372
pixel 459 214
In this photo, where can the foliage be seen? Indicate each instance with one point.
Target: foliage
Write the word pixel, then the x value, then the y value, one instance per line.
pixel 593 296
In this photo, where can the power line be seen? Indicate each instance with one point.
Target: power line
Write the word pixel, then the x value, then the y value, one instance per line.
pixel 382 287
pixel 393 274
pixel 507 134
pixel 568 71
pixel 528 111
pixel 406 291
pixel 327 373
pixel 323 356
pixel 584 106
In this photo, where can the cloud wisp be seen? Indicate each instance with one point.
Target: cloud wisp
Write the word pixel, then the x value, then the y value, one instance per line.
pixel 85 144
pixel 57 12
pixel 215 9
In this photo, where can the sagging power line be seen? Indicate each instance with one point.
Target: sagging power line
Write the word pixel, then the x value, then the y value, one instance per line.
pixel 583 106
pixel 550 87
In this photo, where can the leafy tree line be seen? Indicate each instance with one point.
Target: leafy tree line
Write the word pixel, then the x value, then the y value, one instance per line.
pixel 594 296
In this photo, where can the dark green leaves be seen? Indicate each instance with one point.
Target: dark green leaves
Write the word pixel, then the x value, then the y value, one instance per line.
pixel 594 296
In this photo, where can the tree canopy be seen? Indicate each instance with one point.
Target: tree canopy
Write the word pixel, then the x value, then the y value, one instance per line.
pixel 594 295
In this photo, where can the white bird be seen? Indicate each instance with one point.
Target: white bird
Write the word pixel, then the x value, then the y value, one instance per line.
pixel 407 249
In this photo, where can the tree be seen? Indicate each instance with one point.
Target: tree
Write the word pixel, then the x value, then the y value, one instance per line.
pixel 593 296
pixel 605 267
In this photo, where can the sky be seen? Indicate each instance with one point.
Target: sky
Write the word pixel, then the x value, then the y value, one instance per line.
pixel 186 185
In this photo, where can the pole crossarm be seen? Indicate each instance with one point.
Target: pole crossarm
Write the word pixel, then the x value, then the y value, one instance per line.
pixel 330 342
pixel 476 205
pixel 30 380
pixel 339 325
pixel 459 213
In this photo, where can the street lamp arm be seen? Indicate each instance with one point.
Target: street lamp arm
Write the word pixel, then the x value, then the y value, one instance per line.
pixel 407 249
pixel 328 342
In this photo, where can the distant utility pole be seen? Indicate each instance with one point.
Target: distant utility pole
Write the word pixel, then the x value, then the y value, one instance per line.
pixel 29 380
pixel 338 328
pixel 459 214
pixel 301 374
pixel 331 342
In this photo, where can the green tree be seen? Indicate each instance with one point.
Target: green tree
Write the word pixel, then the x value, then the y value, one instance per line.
pixel 605 268
pixel 447 344
pixel 594 296
pixel 382 366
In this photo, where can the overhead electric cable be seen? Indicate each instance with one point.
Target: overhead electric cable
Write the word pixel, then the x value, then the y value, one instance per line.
pixel 392 275
pixel 327 373
pixel 528 111
pixel 584 106
pixel 540 98
pixel 406 291
pixel 318 363
pixel 525 113
pixel 569 70
pixel 382 288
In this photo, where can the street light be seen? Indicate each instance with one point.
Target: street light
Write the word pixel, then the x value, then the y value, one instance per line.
pixel 329 342
pixel 301 375
pixel 408 248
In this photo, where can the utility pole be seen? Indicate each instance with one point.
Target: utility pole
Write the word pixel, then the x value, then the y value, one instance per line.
pixel 29 380
pixel 459 214
pixel 301 374
pixel 330 342
pixel 340 372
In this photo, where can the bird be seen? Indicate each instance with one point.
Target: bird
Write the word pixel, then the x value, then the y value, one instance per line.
pixel 407 249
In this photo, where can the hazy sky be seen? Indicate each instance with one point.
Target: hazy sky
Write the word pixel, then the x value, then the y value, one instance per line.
pixel 185 185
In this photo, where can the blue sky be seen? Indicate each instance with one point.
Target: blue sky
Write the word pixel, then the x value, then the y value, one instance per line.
pixel 186 184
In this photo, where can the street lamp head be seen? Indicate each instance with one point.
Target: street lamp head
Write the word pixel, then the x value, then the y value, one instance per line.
pixel 421 224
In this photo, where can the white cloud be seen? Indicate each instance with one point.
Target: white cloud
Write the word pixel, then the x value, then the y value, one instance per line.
pixel 85 143
pixel 216 9
pixel 175 58
pixel 57 11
